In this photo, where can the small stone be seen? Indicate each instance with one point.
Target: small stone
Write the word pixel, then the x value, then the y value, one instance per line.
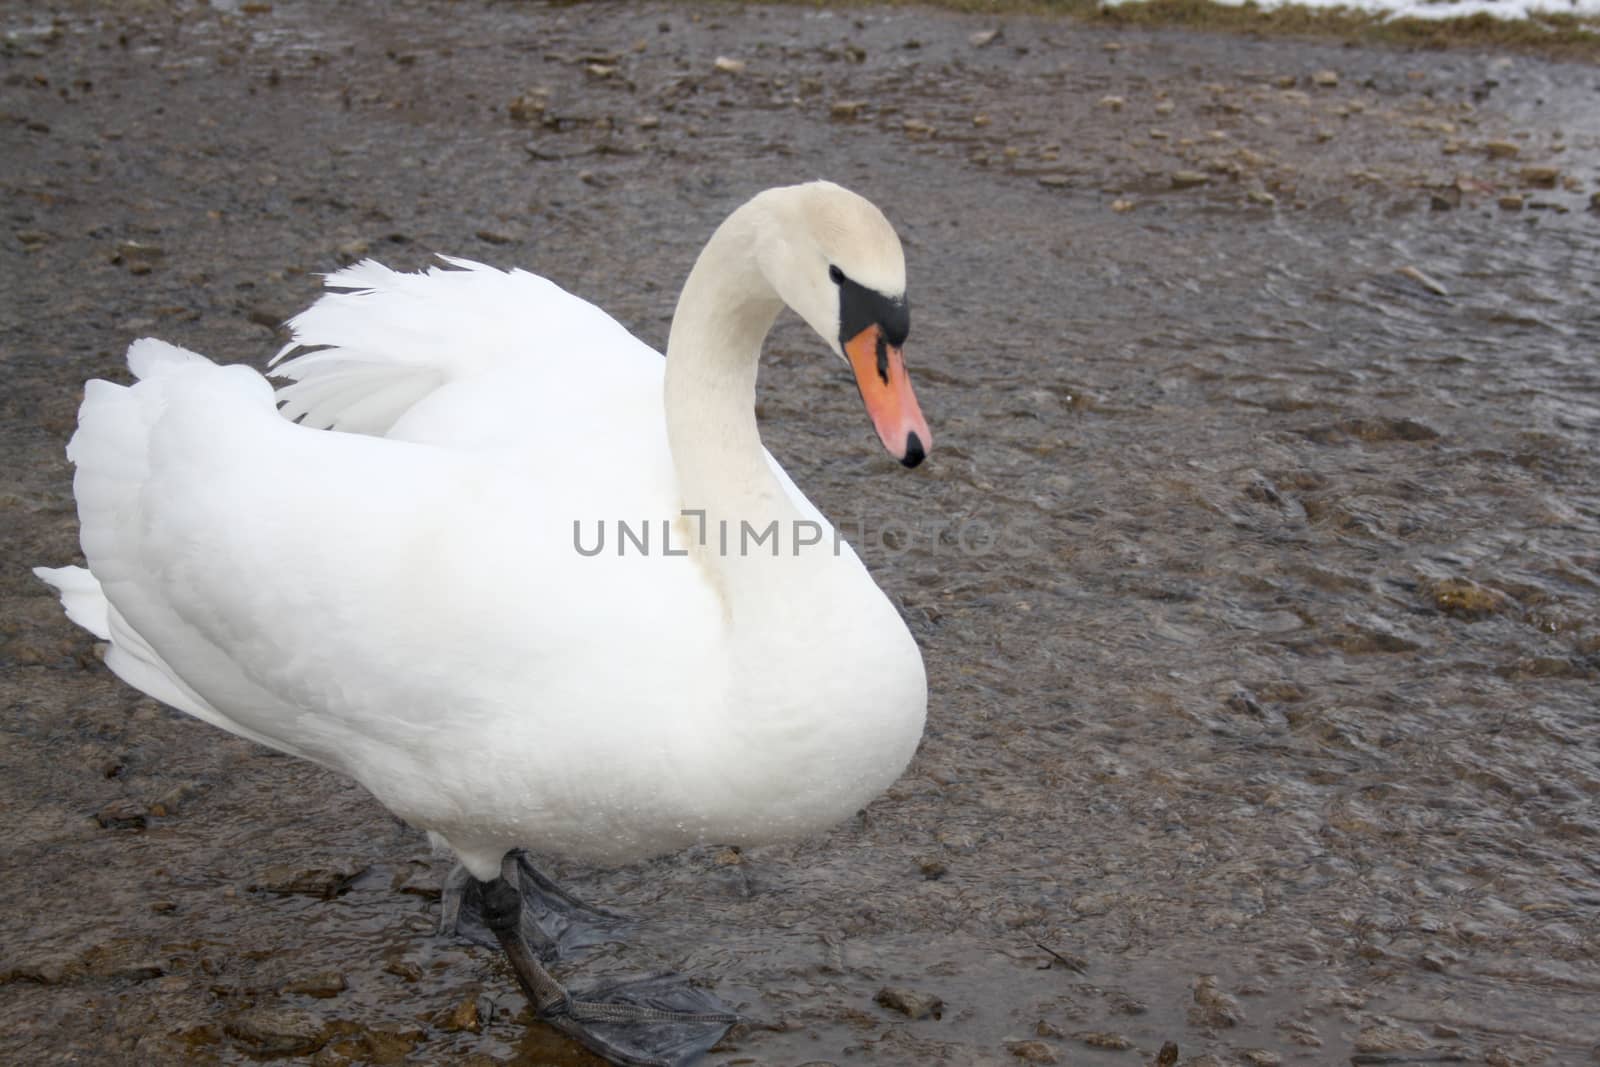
pixel 932 869
pixel 169 803
pixel 495 237
pixel 1451 147
pixel 1047 1029
pixel 1032 1051
pixel 351 251
pixel 1390 1039
pixel 1511 202
pixel 1541 175
pixel 1212 1007
pixel 910 1003
pixel 1415 275
pixel 139 258
pixel 463 1017
pixel 1188 179
pixel 1101 1039
pixel 846 109
pixel 1113 103
pixel 277 1032
pixel 1260 1057
pixel 599 70
pixel 982 37
pixel 323 882
pixel 1168 1054
pixel 1166 107
pixel 529 107
pixel 1055 181
pixel 124 813
pixel 322 985
pixel 1262 197
pixel 1501 149
pixel 917 128
pixel 728 65
pixel 1122 207
pixel 647 122
pixel 980 120
pixel 1464 598
pixel 405 969
pixel 1325 79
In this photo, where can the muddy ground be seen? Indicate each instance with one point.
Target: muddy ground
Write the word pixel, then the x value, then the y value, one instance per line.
pixel 1264 378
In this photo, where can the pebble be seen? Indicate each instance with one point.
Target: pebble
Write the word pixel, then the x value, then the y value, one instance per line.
pixel 1212 1007
pixel 124 813
pixel 1325 79
pixel 351 251
pixel 277 1032
pixel 1385 1038
pixel 1464 598
pixel 1511 202
pixel 1423 280
pixel 910 1003
pixel 728 65
pixel 846 109
pixel 1122 207
pixel 982 37
pixel 1055 181
pixel 529 107
pixel 323 882
pixel 1261 197
pixel 1101 1039
pixel 1032 1051
pixel 1114 103
pixel 495 237
pixel 1501 149
pixel 1541 175
pixel 463 1017
pixel 1188 179
pixel 323 984
pixel 138 257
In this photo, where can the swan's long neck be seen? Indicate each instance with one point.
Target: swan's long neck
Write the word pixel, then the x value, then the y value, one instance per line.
pixel 723 316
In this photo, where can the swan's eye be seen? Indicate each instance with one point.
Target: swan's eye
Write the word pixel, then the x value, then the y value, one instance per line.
pixel 836 274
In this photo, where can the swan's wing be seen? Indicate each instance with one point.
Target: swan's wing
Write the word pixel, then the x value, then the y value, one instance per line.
pixel 381 341
pixel 362 602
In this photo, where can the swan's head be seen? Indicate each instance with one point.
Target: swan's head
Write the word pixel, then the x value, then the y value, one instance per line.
pixel 834 259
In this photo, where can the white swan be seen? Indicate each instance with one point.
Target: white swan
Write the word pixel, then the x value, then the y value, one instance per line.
pixel 414 603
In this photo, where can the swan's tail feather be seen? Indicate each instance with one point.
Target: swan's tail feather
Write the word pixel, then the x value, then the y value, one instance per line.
pixel 81 596
pixel 112 450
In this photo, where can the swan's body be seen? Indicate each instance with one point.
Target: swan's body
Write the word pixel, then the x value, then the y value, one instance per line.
pixel 407 603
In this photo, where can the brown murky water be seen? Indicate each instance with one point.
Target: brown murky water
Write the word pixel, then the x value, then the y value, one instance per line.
pixel 1263 714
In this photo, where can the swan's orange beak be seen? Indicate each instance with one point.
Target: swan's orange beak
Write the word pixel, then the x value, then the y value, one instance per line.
pixel 886 390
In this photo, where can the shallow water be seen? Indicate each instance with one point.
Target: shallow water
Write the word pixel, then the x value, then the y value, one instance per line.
pixel 1280 668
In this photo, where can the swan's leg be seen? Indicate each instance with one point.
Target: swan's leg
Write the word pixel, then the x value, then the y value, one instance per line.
pixel 654 1022
pixel 554 922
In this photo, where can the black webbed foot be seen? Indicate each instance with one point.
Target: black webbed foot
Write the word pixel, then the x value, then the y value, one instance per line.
pixel 651 1022
pixel 656 1022
pixel 555 923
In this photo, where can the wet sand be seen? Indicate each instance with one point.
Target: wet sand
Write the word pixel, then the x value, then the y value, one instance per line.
pixel 1255 567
